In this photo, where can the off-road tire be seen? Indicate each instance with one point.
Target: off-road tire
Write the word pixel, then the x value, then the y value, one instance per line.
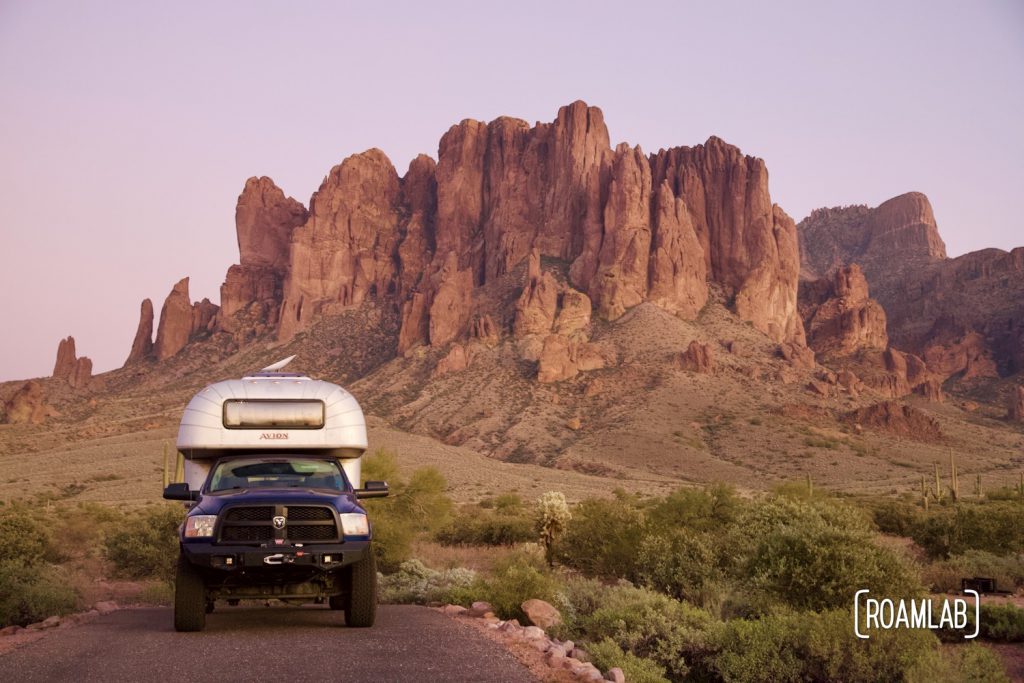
pixel 361 607
pixel 189 598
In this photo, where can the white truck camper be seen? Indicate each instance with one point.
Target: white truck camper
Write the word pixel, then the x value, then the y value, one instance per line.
pixel 271 410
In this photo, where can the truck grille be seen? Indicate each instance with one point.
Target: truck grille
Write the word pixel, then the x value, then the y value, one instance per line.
pixel 254 524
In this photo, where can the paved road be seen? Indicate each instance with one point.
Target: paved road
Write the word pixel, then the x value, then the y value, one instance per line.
pixel 265 644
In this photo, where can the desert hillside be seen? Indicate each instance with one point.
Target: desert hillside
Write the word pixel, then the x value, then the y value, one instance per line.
pixel 537 309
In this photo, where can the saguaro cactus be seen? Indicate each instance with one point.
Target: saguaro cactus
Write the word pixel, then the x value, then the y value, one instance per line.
pixel 954 481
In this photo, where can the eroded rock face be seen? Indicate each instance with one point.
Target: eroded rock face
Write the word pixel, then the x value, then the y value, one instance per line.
pixel 750 245
pixel 142 346
pixel 175 322
pixel 698 357
pixel 1015 413
pixel 264 221
pixel 678 268
pixel 77 372
pixel 902 228
pixel 839 316
pixel 28 405
pixel 66 358
pixel 252 291
pixel 896 418
pixel 450 310
pixel 345 251
pixel 536 306
pixel 964 315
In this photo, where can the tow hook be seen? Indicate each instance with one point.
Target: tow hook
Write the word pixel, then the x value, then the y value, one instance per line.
pixel 278 558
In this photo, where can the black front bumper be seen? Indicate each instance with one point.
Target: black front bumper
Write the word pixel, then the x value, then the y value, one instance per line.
pixel 269 559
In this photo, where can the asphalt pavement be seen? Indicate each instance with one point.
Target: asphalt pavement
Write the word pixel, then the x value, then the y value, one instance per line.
pixel 246 643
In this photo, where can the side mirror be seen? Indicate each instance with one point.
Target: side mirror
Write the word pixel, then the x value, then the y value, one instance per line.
pixel 180 491
pixel 373 489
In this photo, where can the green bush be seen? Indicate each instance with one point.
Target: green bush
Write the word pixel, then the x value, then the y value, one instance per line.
pixel 33 592
pixel 817 556
pixel 896 517
pixel 972 663
pixel 1004 623
pixel 145 543
pixel 514 580
pixel 809 646
pixel 640 621
pixel 679 563
pixel 944 575
pixel 419 505
pixel 488 527
pixel 606 655
pixel 23 538
pixel 601 538
pixel 416 583
pixel 995 527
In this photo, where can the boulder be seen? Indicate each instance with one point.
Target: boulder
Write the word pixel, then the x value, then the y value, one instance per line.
pixel 28 405
pixel 541 613
pixel 698 357
pixel 573 314
pixel 456 360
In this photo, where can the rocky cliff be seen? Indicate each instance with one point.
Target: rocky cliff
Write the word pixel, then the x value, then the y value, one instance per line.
pixel 964 316
pixel 627 227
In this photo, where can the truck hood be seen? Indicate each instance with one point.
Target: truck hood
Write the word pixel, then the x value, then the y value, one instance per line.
pixel 213 503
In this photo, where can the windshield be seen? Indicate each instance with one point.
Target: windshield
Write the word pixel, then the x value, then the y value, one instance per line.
pixel 277 473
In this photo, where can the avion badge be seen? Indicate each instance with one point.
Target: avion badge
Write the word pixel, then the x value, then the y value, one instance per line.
pixel 273 436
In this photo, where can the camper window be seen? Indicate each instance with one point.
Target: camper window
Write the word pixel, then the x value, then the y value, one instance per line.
pixel 282 414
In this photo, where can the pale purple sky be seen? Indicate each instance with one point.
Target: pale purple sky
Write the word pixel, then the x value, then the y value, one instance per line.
pixel 128 129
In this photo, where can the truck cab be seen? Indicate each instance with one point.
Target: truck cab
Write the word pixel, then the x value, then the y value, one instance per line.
pixel 272 480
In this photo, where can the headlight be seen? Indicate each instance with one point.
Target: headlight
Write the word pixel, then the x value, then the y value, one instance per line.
pixel 200 526
pixel 355 524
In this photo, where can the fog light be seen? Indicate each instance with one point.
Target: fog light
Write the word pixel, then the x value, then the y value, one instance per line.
pixel 327 559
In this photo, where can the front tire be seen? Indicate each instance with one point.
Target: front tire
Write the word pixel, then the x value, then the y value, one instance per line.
pixel 189 598
pixel 361 607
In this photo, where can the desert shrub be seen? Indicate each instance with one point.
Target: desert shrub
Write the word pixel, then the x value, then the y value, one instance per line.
pixel 514 580
pixel 606 655
pixel 488 527
pixel 601 538
pixel 972 662
pixel 32 592
pixel 23 537
pixel 944 575
pixel 640 621
pixel 145 544
pixel 708 509
pixel 996 527
pixel 677 562
pixel 896 517
pixel 416 583
pixel 817 556
pixel 809 646
pixel 419 505
pixel 1003 623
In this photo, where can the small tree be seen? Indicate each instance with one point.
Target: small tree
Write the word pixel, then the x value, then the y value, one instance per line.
pixel 553 516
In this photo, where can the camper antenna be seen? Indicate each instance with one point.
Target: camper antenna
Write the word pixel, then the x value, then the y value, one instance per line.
pixel 278 365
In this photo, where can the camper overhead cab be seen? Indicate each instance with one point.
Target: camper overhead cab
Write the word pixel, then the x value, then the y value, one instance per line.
pixel 272 477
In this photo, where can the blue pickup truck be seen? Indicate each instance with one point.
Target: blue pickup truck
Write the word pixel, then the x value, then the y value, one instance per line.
pixel 272 478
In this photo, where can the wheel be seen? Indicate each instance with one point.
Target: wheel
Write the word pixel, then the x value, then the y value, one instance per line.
pixel 189 598
pixel 361 607
pixel 336 601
